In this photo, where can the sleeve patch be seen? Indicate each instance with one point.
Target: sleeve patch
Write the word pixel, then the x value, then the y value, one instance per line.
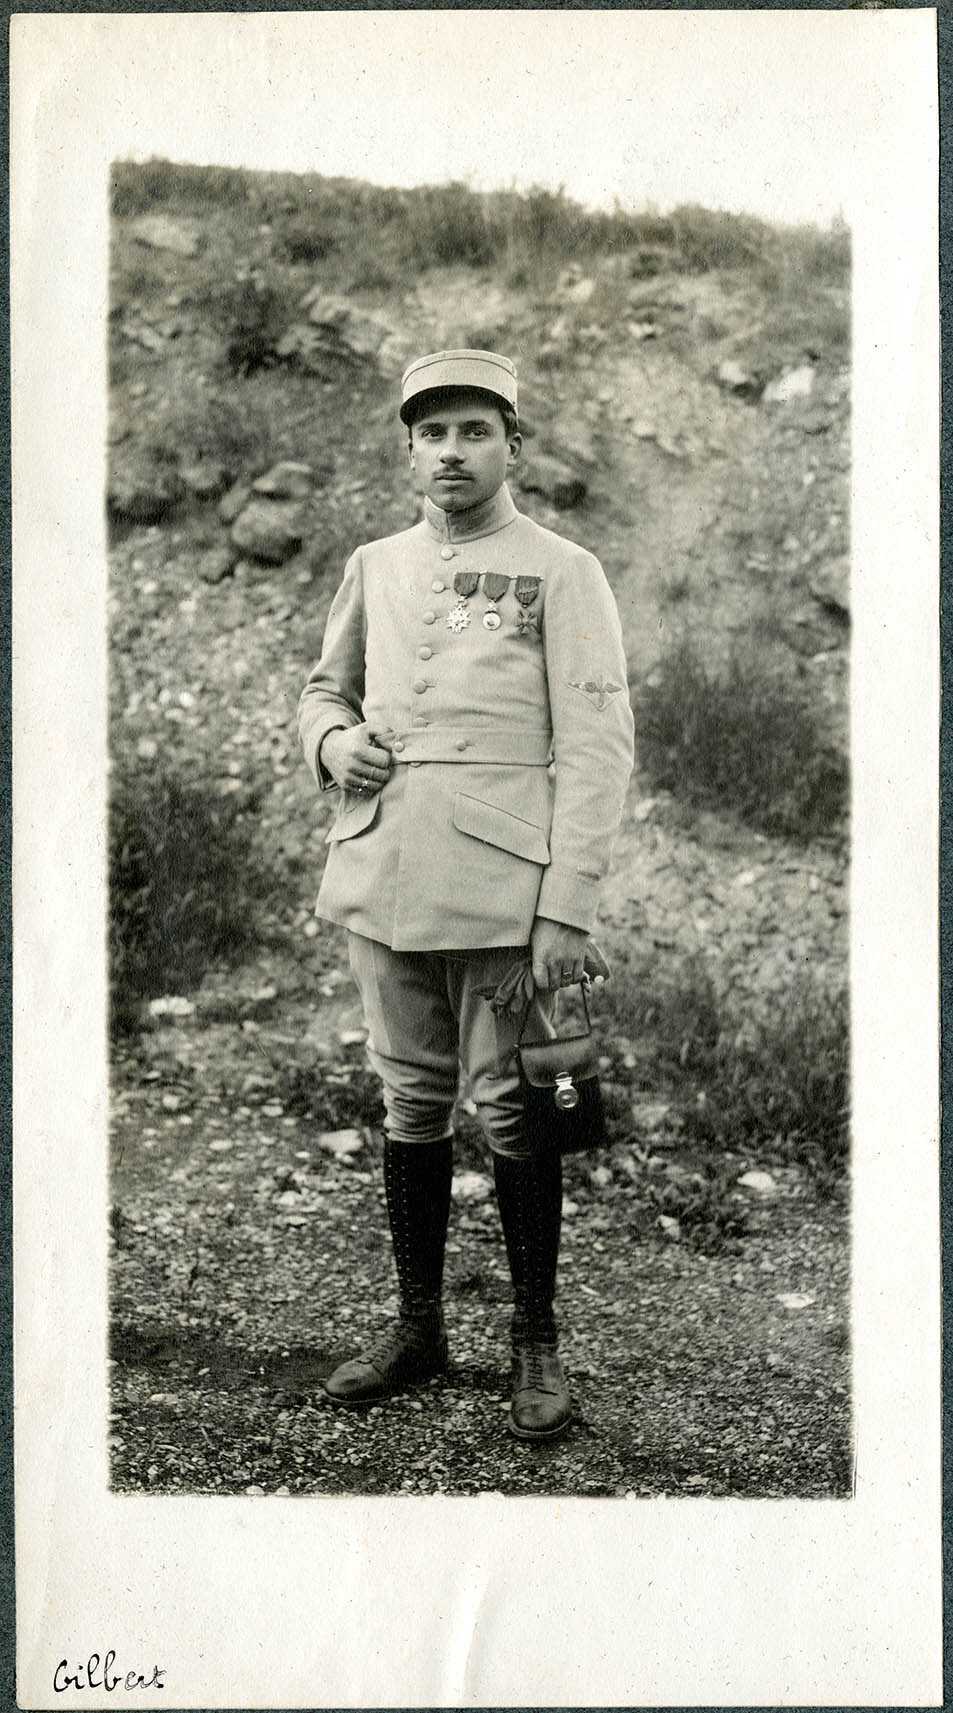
pixel 598 690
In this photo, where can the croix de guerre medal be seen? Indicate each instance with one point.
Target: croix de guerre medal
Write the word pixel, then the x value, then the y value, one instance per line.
pixel 494 587
pixel 466 584
pixel 526 590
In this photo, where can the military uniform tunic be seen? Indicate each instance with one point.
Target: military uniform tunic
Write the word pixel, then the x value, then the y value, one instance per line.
pixel 511 741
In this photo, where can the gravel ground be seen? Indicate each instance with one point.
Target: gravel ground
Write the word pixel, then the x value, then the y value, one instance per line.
pixel 247 1261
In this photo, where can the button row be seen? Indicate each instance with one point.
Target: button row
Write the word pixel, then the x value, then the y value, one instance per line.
pixel 429 617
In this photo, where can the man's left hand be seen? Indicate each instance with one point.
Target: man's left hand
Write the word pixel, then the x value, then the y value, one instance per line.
pixel 557 952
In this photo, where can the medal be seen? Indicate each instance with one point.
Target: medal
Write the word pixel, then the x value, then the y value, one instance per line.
pixel 494 587
pixel 465 583
pixel 526 591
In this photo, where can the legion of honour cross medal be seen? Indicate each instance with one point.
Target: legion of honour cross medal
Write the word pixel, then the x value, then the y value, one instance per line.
pixel 465 583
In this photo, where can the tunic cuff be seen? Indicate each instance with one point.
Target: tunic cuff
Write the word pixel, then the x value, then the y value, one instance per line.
pixel 566 896
pixel 311 744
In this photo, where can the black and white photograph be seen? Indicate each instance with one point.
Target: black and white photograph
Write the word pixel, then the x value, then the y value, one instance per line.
pixel 625 509
pixel 477 772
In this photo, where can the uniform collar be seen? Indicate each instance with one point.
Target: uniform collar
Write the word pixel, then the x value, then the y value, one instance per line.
pixel 485 519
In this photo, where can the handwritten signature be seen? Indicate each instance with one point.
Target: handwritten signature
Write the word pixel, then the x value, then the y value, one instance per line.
pixel 87 1676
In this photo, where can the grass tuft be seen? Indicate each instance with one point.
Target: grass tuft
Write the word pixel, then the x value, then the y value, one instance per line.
pixel 306 240
pixel 342 1096
pixel 740 738
pixel 143 187
pixel 200 426
pixel 185 884
pixel 449 225
pixel 252 317
pixel 708 238
pixel 774 1080
pixel 709 1210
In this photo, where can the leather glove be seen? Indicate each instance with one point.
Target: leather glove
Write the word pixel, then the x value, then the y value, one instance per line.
pixel 517 989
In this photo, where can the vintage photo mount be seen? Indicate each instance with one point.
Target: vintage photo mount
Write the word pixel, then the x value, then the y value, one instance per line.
pixel 811 1604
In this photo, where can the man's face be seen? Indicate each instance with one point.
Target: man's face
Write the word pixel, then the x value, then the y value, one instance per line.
pixel 461 452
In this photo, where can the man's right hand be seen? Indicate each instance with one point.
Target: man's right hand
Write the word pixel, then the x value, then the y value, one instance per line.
pixel 356 759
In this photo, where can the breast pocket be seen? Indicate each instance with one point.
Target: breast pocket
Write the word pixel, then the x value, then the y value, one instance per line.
pixel 357 812
pixel 497 827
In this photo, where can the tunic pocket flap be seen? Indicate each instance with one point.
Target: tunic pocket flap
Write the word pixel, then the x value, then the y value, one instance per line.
pixel 498 827
pixel 357 811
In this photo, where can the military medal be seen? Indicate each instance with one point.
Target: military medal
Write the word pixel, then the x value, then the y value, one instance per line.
pixel 466 584
pixel 526 591
pixel 494 587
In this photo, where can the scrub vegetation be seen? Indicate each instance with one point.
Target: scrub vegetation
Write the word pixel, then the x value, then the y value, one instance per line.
pixel 314 219
pixel 185 884
pixel 742 736
pixel 736 1076
pixel 685 404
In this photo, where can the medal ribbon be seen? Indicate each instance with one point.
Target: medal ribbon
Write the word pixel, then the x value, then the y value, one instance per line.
pixel 494 586
pixel 466 583
pixel 527 589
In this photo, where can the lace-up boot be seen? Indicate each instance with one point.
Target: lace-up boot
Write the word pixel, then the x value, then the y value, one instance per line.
pixel 417 1179
pixel 529 1193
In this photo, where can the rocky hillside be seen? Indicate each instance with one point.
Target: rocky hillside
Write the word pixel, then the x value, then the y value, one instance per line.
pixel 685 406
pixel 686 418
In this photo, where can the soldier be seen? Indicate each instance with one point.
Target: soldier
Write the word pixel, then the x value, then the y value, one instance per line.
pixel 470 706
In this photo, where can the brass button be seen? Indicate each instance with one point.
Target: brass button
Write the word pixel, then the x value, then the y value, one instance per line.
pixel 462 743
pixel 420 685
pixel 425 652
pixel 437 586
pixel 447 553
pixel 398 745
pixel 415 764
pixel 429 617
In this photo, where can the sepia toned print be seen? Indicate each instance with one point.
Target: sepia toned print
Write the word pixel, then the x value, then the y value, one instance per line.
pixel 684 405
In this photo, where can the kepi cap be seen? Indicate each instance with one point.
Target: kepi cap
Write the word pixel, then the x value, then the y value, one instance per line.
pixel 475 371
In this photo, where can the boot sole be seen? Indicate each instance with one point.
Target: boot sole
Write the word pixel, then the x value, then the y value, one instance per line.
pixel 382 1397
pixel 533 1436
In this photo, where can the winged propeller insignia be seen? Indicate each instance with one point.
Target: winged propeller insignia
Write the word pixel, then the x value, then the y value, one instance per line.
pixel 598 690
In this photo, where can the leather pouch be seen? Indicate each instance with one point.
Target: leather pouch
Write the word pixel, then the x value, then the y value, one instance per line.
pixel 562 1100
